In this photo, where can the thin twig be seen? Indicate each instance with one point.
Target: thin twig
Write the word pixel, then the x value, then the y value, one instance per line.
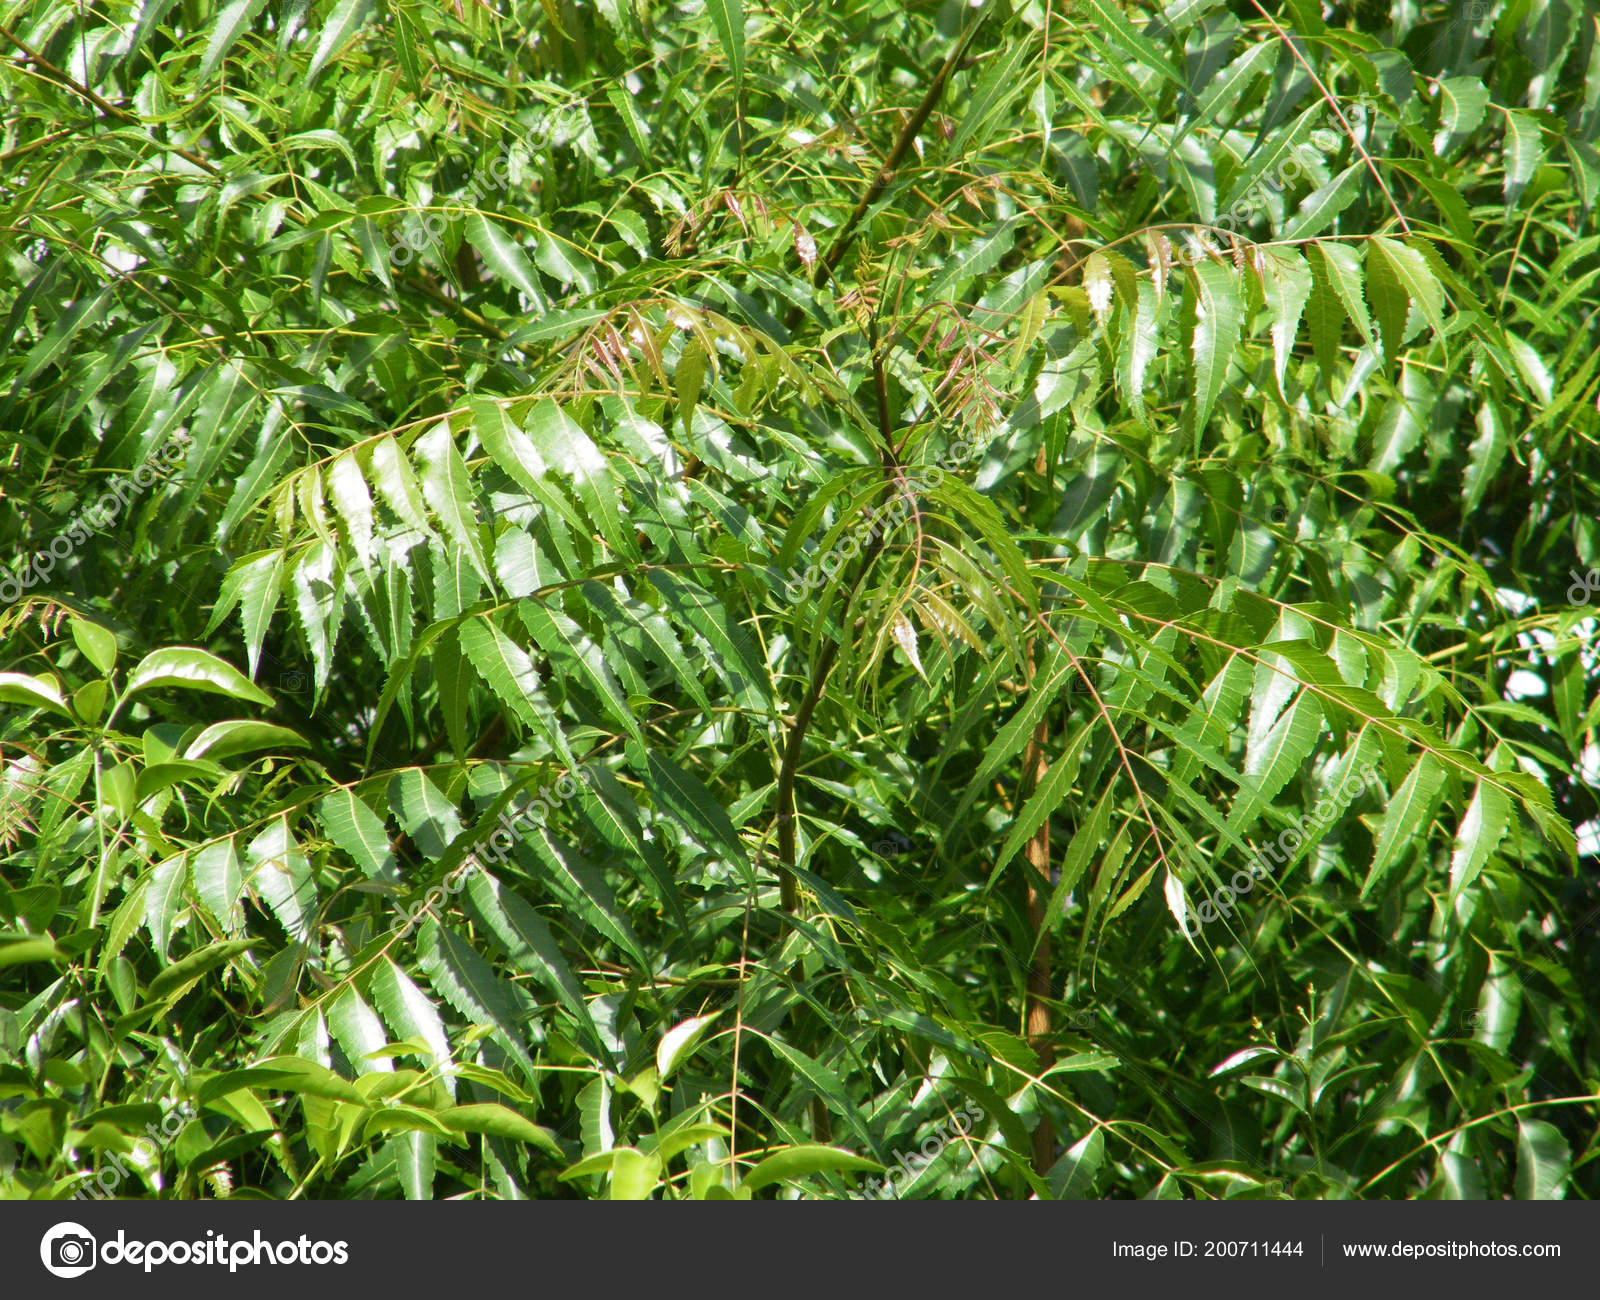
pixel 104 105
pixel 1337 112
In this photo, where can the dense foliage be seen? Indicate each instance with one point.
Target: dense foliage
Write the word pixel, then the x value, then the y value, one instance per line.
pixel 709 599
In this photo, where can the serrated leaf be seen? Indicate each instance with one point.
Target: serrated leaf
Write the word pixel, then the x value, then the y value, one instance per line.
pixel 468 983
pixel 429 818
pixel 1409 269
pixel 1286 282
pixel 353 503
pixel 1044 800
pixel 281 875
pixel 1462 103
pixel 687 799
pixel 1543 1161
pixel 359 1032
pixel 1524 151
pixel 514 679
pixel 195 965
pixel 1319 208
pixel 164 900
pixel 346 19
pixel 503 256
pixel 219 882
pixel 448 490
pixel 397 484
pixel 1342 266
pixel 1481 829
pixel 727 17
pixel 532 948
pixel 252 585
pixel 231 22
pixel 360 832
pixel 1407 819
pixel 1216 310
pixel 573 651
pixel 410 1013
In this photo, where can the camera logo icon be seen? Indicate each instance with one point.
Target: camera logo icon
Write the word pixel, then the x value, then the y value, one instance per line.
pixel 68 1250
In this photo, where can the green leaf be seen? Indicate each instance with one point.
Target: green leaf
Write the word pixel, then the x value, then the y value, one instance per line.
pixel 1461 1177
pixel 99 644
pixel 499 1121
pixel 1041 803
pixel 827 1084
pixel 281 875
pixel 1524 151
pixel 1319 208
pixel 415 1156
pixel 679 1042
pixel 189 668
pixel 796 1162
pixel 1287 284
pixel 1407 268
pixel 503 256
pixel 514 679
pixel 219 883
pixel 1072 1177
pixel 424 813
pixel 359 1031
pixel 359 831
pixel 1462 103
pixel 231 23
pixel 164 900
pixel 242 736
pixel 252 584
pixel 32 692
pixel 196 965
pixel 571 648
pixel 688 800
pixel 1216 312
pixel 563 446
pixel 347 18
pixel 1408 818
pixel 1342 266
pixel 397 484
pixel 1485 455
pixel 1543 1161
pixel 351 499
pixel 468 983
pixel 533 949
pixel 1110 17
pixel 448 490
pixel 727 16
pixel 409 1013
pixel 1480 832
pixel 22 952
pixel 1324 315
